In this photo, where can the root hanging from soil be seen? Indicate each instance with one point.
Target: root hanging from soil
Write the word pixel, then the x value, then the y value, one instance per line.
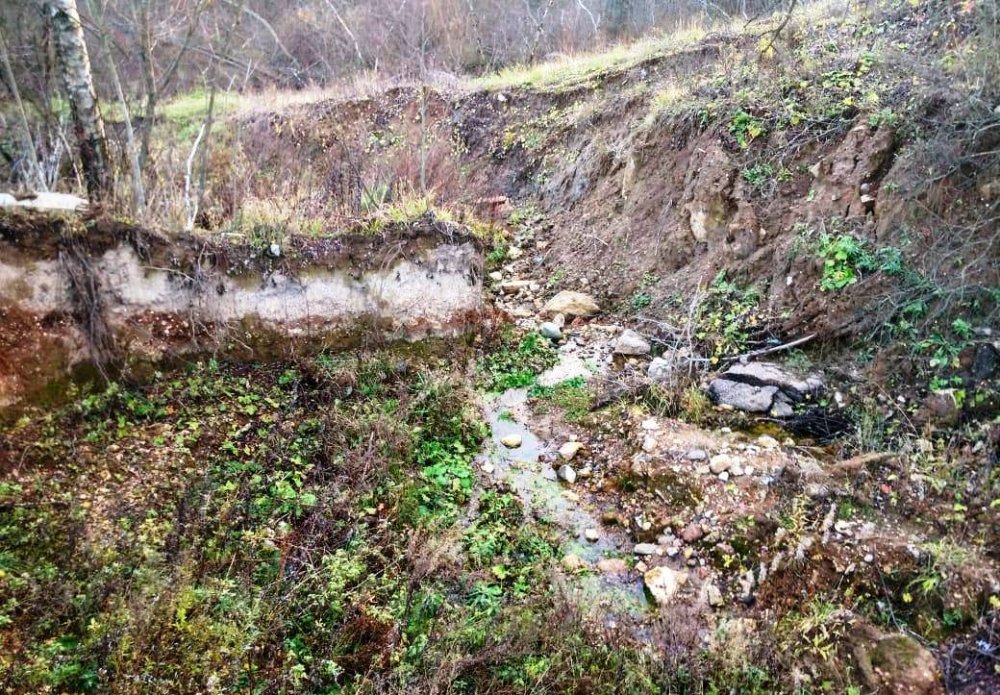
pixel 88 305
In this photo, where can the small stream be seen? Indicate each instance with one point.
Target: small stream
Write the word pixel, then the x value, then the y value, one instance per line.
pixel 530 471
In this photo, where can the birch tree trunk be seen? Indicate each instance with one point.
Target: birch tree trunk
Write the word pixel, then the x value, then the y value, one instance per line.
pixel 74 66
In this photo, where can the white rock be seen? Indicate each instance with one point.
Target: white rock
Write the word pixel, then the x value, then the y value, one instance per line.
pixel 566 474
pixel 663 583
pixel 713 596
pixel 591 535
pixel 631 343
pixel 650 424
pixel 570 449
pixel 644 548
pixel 511 441
pixel 660 369
pixel 550 330
pixel 720 463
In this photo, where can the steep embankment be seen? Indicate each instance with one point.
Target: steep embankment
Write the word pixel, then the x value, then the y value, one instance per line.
pixel 74 292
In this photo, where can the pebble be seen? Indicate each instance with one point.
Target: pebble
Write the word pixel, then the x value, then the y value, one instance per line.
pixel 720 463
pixel 696 455
pixel 692 533
pixel 511 441
pixel 592 535
pixel 644 548
pixel 869 558
pixel 713 596
pixel 612 565
pixel 550 330
pixel 566 474
pixel 649 444
pixel 488 467
pixel 724 476
pixel 650 424
pixel 570 449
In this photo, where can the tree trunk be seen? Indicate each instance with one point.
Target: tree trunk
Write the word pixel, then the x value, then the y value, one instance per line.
pixel 74 64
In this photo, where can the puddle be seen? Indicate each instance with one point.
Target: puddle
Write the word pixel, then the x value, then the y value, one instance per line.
pixel 528 470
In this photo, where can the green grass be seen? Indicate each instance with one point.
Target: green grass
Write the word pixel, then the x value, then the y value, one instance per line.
pixel 516 362
pixel 579 69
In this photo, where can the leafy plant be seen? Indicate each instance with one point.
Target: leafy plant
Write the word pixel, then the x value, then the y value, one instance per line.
pixel 516 364
pixel 745 128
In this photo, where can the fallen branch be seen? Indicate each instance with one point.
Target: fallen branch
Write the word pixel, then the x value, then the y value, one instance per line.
pixel 745 357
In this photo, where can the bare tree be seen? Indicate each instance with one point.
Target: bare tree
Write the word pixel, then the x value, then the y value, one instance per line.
pixel 33 171
pixel 74 64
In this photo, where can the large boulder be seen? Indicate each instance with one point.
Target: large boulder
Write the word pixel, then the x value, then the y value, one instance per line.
pixel 895 664
pixel 572 304
pixel 762 387
pixel 752 399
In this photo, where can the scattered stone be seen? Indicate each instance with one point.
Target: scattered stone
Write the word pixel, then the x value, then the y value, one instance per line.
pixel 511 441
pixel 275 250
pixel 570 449
pixel 696 455
pixel 663 583
pixel 641 567
pixel 514 252
pixel 644 548
pixel 566 474
pixel 592 535
pixel 550 331
pixel 612 565
pixel 631 343
pixel 572 304
pixel 712 595
pixel 496 276
pixel 650 424
pixel 869 558
pixel 585 472
pixel 649 443
pixel 660 369
pixel 736 470
pixel 692 533
pixel 488 468
pixel 724 476
pixel 720 463
pixel 768 442
pixel 514 286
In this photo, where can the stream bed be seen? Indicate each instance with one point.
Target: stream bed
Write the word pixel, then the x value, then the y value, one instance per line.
pixel 529 470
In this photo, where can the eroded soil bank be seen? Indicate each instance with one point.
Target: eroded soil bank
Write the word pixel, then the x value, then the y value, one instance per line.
pixel 128 295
